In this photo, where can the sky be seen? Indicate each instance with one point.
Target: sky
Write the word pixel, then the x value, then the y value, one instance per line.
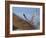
pixel 28 11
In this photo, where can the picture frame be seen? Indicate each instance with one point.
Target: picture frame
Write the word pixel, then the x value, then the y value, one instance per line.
pixel 18 5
